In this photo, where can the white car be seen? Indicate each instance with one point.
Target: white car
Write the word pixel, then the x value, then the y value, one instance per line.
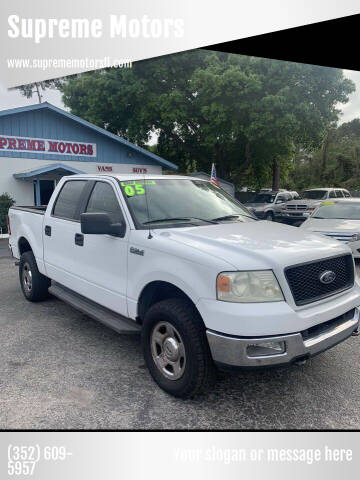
pixel 183 263
pixel 339 219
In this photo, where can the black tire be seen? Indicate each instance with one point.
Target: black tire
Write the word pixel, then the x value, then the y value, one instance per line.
pixel 269 216
pixel 37 289
pixel 198 369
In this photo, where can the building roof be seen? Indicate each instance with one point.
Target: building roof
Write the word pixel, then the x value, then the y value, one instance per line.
pixel 85 123
pixel 54 168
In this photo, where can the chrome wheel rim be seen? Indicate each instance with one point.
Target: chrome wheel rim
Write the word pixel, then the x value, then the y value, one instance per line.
pixel 27 277
pixel 168 351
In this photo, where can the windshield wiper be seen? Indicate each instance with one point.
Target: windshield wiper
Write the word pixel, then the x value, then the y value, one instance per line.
pixel 184 219
pixel 229 217
pixel 167 220
pixel 203 220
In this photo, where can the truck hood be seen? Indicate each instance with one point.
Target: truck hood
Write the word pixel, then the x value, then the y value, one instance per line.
pixel 258 244
pixel 331 225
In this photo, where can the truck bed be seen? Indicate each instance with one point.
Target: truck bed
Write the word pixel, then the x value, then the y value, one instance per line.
pixel 40 210
pixel 26 222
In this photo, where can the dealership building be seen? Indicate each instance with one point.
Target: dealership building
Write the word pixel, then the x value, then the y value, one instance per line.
pixel 41 143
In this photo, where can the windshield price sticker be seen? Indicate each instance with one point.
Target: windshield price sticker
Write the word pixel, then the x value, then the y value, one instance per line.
pixel 327 203
pixel 133 187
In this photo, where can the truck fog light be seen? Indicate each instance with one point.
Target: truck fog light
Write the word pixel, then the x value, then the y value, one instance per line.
pixel 262 349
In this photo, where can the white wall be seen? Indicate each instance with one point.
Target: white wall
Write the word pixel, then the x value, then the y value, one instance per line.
pixel 23 192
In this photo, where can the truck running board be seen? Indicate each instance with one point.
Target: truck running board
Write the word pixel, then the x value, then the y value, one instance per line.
pixel 109 318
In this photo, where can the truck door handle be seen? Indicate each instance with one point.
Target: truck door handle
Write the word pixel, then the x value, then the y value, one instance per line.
pixel 79 239
pixel 48 230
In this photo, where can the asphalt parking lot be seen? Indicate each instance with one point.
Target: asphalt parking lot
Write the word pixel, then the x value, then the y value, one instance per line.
pixel 61 370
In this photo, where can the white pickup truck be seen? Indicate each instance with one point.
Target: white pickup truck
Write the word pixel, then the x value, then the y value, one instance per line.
pixel 187 266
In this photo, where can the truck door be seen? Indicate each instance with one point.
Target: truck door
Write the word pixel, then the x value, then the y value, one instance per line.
pixel 94 266
pixel 102 259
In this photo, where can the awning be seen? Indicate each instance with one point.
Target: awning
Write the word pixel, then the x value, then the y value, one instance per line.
pixel 54 168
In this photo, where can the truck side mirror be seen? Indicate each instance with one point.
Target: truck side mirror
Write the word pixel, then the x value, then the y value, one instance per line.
pixel 101 224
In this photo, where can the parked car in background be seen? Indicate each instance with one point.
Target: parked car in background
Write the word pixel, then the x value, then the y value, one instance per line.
pixel 267 205
pixel 299 210
pixel 339 219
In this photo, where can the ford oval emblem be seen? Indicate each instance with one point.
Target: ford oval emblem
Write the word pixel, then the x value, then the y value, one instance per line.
pixel 327 277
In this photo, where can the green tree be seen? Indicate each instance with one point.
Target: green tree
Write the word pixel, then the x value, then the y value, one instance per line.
pixel 5 203
pixel 336 163
pixel 36 88
pixel 246 114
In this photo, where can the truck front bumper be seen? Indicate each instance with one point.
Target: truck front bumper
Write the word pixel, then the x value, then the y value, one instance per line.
pixel 229 351
pixel 293 217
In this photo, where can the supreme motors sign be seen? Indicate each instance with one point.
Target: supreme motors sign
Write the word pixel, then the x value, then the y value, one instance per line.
pixel 48 146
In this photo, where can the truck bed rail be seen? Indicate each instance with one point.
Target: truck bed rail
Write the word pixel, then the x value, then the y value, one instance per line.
pixel 40 210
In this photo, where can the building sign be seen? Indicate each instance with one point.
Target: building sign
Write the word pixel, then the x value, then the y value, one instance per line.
pixel 104 168
pixel 139 170
pixel 47 146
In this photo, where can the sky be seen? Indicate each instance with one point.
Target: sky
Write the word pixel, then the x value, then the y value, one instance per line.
pixel 13 98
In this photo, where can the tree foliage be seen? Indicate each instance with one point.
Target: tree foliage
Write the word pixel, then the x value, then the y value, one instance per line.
pixel 246 114
pixel 36 88
pixel 5 203
pixel 336 164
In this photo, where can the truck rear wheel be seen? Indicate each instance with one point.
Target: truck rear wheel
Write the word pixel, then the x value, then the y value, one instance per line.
pixel 33 284
pixel 175 348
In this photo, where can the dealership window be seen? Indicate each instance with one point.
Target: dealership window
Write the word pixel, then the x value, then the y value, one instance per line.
pixel 68 200
pixel 103 200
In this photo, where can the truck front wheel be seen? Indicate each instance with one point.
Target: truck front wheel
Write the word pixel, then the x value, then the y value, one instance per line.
pixel 175 348
pixel 33 284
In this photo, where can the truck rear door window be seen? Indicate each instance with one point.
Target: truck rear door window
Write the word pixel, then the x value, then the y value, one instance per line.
pixel 68 200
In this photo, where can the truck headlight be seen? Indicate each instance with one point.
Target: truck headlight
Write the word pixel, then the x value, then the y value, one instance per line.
pixel 355 237
pixel 248 287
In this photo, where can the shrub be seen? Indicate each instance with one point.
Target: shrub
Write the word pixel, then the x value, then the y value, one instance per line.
pixel 5 203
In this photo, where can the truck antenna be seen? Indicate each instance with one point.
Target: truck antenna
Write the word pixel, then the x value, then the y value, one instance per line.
pixel 147 208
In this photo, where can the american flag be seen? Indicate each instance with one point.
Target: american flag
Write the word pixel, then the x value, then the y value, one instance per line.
pixel 213 178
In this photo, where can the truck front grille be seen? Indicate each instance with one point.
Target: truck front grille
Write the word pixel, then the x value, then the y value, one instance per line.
pixel 304 279
pixel 301 207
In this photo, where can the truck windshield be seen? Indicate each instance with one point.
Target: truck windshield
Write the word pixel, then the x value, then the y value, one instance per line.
pixel 313 195
pixel 162 202
pixel 263 198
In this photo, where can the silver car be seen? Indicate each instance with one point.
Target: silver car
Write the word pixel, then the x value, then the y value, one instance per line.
pixel 267 205
pixel 299 210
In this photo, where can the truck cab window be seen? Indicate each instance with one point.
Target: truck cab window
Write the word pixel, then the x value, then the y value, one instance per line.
pixel 103 200
pixel 67 202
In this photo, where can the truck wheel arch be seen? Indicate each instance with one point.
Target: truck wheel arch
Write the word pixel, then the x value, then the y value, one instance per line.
pixel 24 246
pixel 155 292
